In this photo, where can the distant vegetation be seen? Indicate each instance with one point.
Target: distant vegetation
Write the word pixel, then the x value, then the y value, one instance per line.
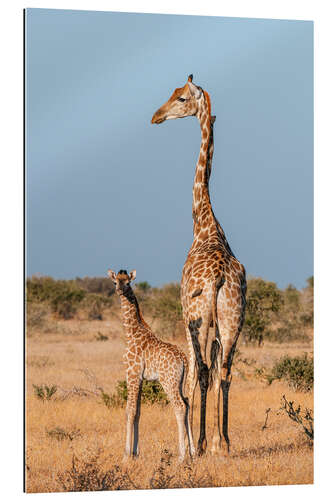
pixel 277 315
pixel 297 371
pixel 272 314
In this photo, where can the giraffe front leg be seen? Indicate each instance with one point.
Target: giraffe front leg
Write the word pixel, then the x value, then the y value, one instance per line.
pixel 203 383
pixel 225 384
pixel 203 377
pixel 226 381
pixel 217 436
pixel 131 415
pixel 136 423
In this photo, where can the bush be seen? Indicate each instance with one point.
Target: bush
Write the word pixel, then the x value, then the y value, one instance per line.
pixel 44 392
pixel 96 309
pixel 99 285
pixel 298 372
pixel 101 337
pixel 164 304
pixel 263 299
pixel 36 315
pixel 62 295
pixel 152 392
pixel 60 434
pixel 164 476
pixel 287 333
pixel 307 316
pixel 89 476
pixel 277 315
pixel 143 286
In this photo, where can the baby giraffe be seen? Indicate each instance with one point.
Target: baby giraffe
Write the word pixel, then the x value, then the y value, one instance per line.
pixel 149 358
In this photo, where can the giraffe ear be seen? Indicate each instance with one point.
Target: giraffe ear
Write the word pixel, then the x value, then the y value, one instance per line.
pixel 112 275
pixel 195 91
pixel 132 275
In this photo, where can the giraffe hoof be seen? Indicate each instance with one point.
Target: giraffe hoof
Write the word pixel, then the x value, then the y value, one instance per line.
pixel 225 449
pixel 216 446
pixel 201 451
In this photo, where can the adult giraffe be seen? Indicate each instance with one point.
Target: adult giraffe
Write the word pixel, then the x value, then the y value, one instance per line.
pixel 213 285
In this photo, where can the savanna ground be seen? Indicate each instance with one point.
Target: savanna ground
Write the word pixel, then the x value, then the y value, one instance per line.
pixel 75 440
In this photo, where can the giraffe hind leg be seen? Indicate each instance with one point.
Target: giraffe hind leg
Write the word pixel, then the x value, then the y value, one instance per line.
pixel 188 426
pixel 227 358
pixel 203 376
pixel 179 406
pixel 216 381
pixel 132 418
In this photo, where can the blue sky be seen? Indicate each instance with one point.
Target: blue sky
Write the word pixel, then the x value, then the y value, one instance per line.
pixel 105 188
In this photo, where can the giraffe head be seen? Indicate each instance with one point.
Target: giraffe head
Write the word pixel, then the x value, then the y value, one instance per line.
pixel 185 101
pixel 122 280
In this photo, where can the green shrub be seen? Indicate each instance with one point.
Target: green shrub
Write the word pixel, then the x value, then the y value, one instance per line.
pixel 286 334
pixel 44 392
pixel 62 295
pixel 143 286
pixel 96 310
pixel 164 304
pixel 96 285
pixel 297 371
pixel 263 299
pixel 152 392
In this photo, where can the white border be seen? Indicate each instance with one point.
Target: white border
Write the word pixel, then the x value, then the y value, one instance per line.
pixel 12 228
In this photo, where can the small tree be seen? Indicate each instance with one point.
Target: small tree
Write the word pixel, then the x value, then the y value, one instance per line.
pixel 143 286
pixel 308 299
pixel 62 295
pixel 165 306
pixel 263 299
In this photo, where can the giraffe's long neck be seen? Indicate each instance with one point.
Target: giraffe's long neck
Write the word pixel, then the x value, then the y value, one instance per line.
pixel 201 205
pixel 131 313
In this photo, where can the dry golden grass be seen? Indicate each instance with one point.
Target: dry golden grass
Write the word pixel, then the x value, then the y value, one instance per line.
pixel 70 354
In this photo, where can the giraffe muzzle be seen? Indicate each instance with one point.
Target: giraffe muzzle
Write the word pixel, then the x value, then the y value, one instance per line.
pixel 158 118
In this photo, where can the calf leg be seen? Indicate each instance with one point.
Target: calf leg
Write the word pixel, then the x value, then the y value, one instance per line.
pixel 131 413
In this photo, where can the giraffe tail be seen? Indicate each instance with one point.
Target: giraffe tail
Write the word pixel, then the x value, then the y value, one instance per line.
pixel 183 380
pixel 216 344
pixel 214 350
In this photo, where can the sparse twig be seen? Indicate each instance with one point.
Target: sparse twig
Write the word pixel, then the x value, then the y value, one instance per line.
pixel 92 378
pixel 305 421
pixel 266 419
pixel 76 391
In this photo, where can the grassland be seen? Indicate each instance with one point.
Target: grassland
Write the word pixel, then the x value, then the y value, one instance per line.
pixel 75 442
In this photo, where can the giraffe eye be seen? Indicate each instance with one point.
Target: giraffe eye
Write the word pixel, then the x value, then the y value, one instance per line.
pixel 181 99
